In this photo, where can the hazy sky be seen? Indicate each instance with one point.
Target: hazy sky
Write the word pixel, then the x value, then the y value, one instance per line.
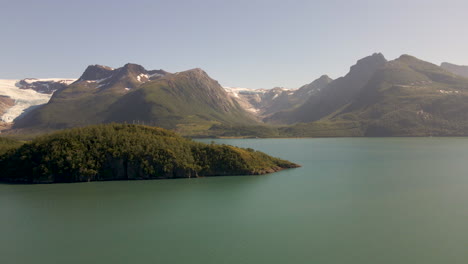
pixel 251 43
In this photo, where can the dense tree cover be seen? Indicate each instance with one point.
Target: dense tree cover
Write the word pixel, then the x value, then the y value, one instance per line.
pixel 7 144
pixel 123 151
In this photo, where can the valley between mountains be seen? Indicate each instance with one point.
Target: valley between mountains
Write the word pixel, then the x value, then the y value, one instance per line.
pixel 402 97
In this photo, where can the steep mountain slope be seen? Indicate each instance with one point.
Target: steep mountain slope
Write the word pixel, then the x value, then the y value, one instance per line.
pixel 406 97
pixel 188 100
pixel 312 88
pixel 456 69
pixel 295 98
pixel 335 95
pixel 410 97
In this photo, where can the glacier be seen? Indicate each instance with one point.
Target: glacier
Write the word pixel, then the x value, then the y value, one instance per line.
pixel 24 98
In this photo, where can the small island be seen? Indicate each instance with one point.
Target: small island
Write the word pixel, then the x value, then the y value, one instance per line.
pixel 127 152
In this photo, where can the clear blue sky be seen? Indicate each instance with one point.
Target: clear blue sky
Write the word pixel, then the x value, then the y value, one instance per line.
pixel 241 43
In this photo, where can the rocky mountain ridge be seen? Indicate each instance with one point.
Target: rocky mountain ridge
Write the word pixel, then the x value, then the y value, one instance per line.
pixel 127 77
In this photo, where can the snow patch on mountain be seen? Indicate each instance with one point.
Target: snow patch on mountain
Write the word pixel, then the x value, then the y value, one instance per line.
pixel 33 80
pixel 103 79
pixel 142 75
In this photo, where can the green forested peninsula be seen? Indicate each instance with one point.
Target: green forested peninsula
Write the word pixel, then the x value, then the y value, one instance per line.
pixel 127 152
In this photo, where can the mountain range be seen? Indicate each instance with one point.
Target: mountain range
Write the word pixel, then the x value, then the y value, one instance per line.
pixel 184 101
pixel 401 97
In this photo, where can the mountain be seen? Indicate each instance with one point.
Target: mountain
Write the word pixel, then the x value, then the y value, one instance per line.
pixel 312 88
pixel 125 78
pixel 190 98
pixel 125 152
pixel 456 69
pixel 404 97
pixel 44 86
pixel 188 101
pixel 411 97
pixel 264 102
pixel 334 95
pixel 20 96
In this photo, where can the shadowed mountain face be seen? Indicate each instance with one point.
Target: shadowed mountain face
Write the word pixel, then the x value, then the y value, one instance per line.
pixel 134 95
pixel 403 97
pixel 335 95
pixel 292 99
pixel 411 97
pixel 456 69
pixel 312 88
pixel 96 72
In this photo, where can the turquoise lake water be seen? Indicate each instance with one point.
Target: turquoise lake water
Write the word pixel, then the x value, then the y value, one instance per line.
pixel 354 200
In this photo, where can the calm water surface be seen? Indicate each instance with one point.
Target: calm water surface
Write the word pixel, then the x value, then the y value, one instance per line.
pixel 402 200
